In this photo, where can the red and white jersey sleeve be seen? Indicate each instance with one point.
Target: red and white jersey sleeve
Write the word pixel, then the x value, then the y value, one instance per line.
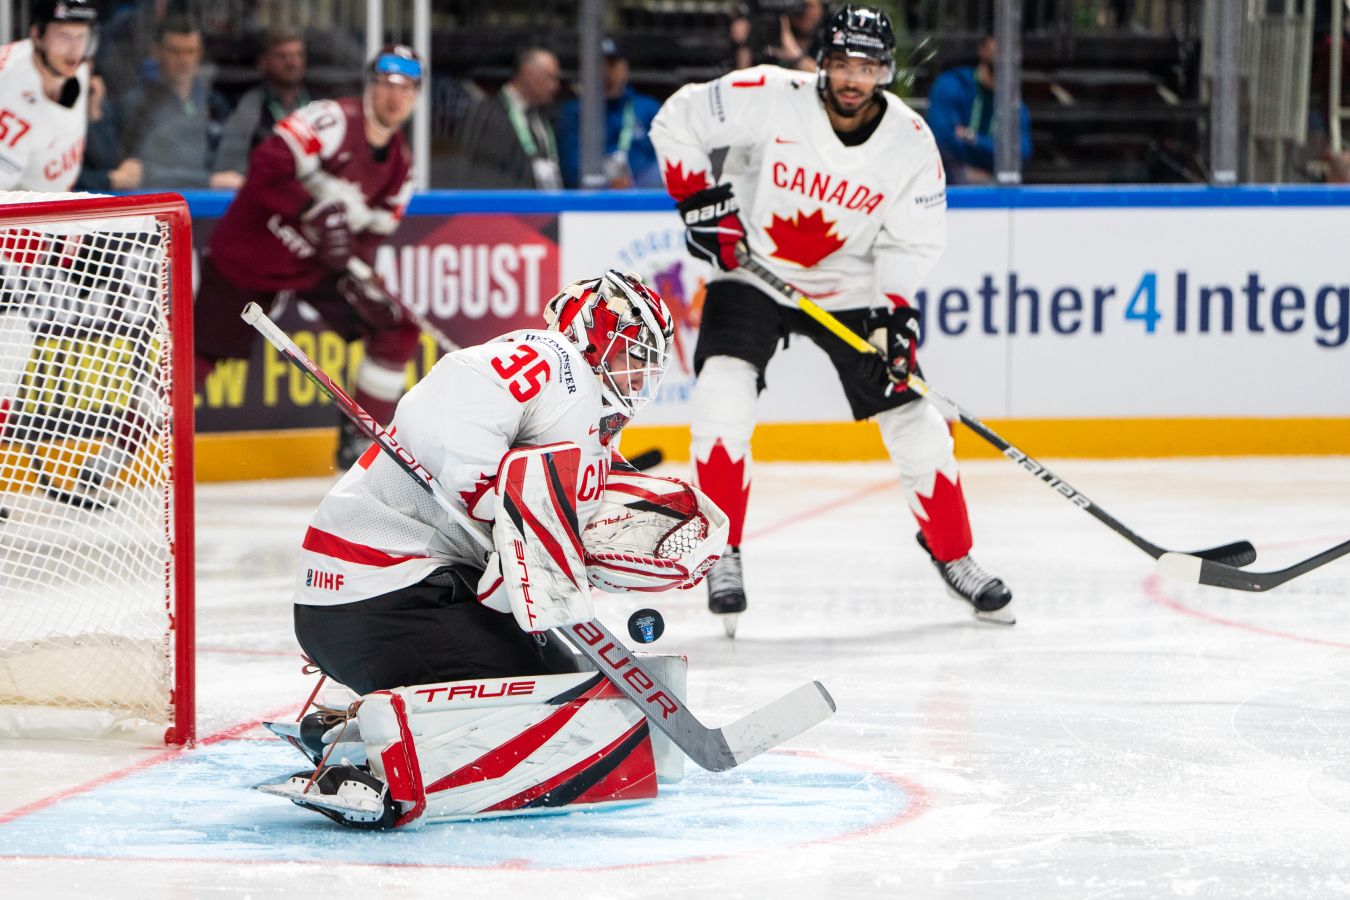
pixel 378 531
pixel 851 226
pixel 314 133
pixel 41 141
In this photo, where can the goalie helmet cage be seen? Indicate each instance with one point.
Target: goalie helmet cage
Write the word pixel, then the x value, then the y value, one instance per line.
pixel 96 475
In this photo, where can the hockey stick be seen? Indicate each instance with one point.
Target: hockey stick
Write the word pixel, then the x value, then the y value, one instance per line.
pixel 1198 570
pixel 1239 553
pixel 359 269
pixel 714 749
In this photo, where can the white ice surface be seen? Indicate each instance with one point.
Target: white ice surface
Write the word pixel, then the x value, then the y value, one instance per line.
pixel 1130 737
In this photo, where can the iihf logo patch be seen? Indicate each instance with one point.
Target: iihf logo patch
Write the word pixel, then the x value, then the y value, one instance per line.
pixel 324 581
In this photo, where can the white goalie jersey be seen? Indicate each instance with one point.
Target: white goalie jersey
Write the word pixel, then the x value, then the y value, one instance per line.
pixel 378 531
pixel 848 225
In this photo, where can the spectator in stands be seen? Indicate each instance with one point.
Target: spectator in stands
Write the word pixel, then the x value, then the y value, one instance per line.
pixel 629 160
pixel 125 45
pixel 282 92
pixel 507 140
pixel 961 113
pixel 104 167
pixel 172 125
pixel 761 34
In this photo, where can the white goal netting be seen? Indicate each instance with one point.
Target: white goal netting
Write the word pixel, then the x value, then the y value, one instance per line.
pixel 90 518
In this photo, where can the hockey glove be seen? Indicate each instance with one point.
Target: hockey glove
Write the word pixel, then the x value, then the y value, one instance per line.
pixel 371 300
pixel 326 227
pixel 896 334
pixel 714 228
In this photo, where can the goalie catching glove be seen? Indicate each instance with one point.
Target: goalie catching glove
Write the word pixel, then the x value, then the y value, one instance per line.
pixel 652 534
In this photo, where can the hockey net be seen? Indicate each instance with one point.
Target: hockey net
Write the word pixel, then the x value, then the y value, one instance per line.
pixel 96 406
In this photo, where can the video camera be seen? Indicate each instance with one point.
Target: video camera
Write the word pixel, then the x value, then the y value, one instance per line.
pixel 766 23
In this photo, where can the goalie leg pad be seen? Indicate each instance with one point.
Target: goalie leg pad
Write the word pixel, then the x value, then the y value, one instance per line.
pixel 920 442
pixel 507 746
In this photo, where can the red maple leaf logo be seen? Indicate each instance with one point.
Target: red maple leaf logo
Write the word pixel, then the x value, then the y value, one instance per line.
pixel 805 240
pixel 474 494
pixel 680 185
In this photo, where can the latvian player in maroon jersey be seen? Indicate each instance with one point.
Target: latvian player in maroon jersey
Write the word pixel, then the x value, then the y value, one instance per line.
pixel 322 192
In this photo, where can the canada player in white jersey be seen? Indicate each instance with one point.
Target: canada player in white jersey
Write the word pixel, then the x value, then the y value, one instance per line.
pixel 468 707
pixel 837 187
pixel 44 97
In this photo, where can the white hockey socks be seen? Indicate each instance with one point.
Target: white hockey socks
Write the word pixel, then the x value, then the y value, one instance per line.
pixel 919 441
pixel 722 419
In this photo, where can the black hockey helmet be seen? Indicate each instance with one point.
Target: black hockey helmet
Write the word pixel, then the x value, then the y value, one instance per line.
pixel 396 61
pixel 860 31
pixel 79 12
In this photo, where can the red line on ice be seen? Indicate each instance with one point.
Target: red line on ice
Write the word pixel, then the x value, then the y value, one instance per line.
pixel 1153 587
pixel 162 756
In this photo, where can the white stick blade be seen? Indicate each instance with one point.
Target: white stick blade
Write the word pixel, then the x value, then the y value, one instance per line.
pixel 1180 566
pixel 779 722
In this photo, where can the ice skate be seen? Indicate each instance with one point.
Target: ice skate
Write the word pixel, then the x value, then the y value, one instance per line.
pixel 988 596
pixel 348 795
pixel 726 589
pixel 351 444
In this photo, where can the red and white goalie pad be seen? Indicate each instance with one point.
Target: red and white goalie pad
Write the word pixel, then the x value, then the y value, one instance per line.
pixel 507 746
pixel 652 534
pixel 536 538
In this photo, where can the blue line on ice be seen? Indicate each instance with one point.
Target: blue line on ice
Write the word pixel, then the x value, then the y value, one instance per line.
pixel 200 805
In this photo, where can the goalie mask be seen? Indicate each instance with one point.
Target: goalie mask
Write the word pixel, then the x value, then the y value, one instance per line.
pixel 624 331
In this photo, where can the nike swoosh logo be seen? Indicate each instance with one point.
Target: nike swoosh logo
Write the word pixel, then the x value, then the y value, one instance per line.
pixel 594 429
pixel 778 140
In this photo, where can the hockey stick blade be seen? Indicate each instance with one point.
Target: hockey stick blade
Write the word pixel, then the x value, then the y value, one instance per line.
pixel 1197 570
pixel 1239 553
pixel 714 749
pixel 707 747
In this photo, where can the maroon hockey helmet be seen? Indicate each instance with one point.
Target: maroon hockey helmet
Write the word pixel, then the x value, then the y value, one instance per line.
pixel 624 331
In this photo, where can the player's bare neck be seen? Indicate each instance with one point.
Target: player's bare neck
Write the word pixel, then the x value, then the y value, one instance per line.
pixel 53 82
pixel 377 136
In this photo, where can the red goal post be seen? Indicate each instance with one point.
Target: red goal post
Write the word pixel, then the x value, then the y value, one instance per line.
pixel 96 472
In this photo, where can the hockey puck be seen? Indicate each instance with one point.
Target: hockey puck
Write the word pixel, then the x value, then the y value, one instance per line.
pixel 646 626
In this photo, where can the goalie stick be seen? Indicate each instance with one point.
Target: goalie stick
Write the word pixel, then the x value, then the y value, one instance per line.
pixel 1239 553
pixel 714 749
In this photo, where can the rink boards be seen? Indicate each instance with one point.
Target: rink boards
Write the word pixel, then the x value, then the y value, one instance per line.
pixel 1092 322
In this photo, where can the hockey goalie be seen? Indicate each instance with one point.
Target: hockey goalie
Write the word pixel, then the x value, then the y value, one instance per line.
pixel 462 701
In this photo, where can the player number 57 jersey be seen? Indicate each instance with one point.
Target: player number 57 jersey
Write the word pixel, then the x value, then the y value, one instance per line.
pixel 41 142
pixel 851 226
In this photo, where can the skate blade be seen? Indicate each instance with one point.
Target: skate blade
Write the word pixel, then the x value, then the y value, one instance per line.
pixel 356 809
pixel 729 621
pixel 1002 616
